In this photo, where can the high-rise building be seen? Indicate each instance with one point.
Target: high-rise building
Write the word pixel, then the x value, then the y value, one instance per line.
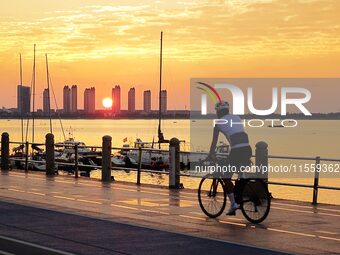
pixel 46 101
pixel 74 101
pixel 66 99
pixel 24 99
pixel 164 101
pixel 147 101
pixel 132 100
pixel 116 99
pixel 90 100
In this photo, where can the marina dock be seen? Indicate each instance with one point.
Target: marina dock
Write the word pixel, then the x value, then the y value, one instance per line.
pixel 86 216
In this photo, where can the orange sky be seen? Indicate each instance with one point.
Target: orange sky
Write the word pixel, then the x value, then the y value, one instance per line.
pixel 102 43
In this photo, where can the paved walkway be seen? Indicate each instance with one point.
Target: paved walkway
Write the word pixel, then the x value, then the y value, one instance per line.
pixel 293 227
pixel 84 235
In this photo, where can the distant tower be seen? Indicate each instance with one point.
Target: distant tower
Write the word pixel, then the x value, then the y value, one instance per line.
pixel 147 101
pixel 86 100
pixel 66 99
pixel 46 101
pixel 74 101
pixel 131 100
pixel 90 100
pixel 164 101
pixel 24 99
pixel 116 99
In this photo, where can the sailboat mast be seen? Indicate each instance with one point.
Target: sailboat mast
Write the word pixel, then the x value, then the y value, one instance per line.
pixel 160 89
pixel 48 91
pixel 21 103
pixel 33 84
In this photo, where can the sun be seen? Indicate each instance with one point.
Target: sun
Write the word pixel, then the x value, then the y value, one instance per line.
pixel 107 102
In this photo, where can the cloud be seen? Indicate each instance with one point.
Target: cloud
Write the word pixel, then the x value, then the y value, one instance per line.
pixel 194 31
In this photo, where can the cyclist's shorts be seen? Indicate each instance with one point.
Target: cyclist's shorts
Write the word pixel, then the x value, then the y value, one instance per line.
pixel 237 158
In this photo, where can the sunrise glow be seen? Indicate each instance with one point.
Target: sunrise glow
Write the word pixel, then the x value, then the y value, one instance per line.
pixel 107 102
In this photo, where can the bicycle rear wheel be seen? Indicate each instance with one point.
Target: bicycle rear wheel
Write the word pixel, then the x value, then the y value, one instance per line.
pixel 212 197
pixel 255 203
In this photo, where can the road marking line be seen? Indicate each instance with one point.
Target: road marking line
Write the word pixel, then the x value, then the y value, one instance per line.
pixel 88 185
pixel 29 192
pixel 17 190
pixel 146 210
pixel 125 207
pixel 26 177
pixel 290 232
pixel 192 217
pixel 292 210
pixel 329 238
pixel 67 198
pixel 200 213
pixel 233 223
pixel 329 214
pixel 327 232
pixel 197 213
pixel 36 193
pixel 328 209
pixel 308 207
pixel 89 201
pixel 302 211
pixel 64 182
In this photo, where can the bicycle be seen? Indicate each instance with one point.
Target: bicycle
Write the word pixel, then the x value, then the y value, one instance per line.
pixel 251 194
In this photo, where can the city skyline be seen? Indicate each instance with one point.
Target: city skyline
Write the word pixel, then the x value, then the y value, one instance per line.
pixel 114 43
pixel 71 97
pixel 70 100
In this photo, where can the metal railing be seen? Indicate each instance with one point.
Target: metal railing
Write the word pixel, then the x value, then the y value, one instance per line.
pixel 261 157
pixel 315 185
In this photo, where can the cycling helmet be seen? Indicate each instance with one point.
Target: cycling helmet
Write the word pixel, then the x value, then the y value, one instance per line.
pixel 221 105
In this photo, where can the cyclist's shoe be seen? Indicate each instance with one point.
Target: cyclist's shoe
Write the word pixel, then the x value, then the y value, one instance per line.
pixel 232 210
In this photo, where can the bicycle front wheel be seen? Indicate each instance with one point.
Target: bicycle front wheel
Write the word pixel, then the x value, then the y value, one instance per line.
pixel 255 204
pixel 212 197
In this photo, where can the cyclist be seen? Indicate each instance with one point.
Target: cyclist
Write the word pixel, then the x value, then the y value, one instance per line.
pixel 240 152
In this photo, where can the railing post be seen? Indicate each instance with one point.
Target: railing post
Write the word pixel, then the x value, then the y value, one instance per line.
pixel 5 151
pixel 76 172
pixel 106 158
pixel 26 156
pixel 316 180
pixel 261 159
pixel 50 162
pixel 174 164
pixel 139 165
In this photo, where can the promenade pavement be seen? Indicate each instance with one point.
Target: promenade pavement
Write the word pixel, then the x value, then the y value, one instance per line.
pixel 129 219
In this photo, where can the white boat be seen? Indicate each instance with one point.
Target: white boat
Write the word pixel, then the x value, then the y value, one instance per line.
pixel 69 147
pixel 154 159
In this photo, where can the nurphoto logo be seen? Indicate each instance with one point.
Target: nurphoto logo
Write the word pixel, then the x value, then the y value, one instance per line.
pixel 284 98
